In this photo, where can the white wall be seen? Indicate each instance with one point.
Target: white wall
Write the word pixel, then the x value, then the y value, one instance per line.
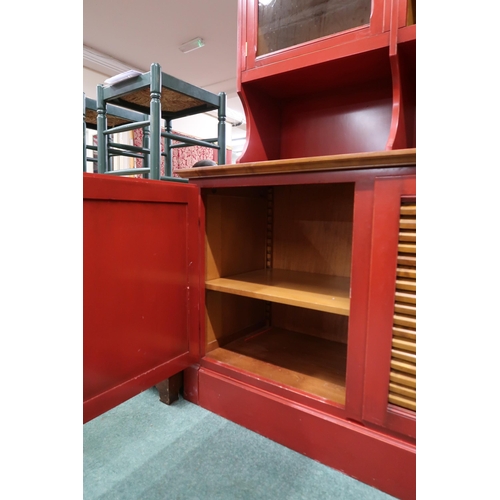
pixel 90 81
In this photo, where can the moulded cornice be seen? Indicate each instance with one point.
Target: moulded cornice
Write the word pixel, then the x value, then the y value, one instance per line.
pixel 102 63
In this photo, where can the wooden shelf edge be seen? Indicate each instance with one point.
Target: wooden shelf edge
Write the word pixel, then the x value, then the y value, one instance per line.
pixel 290 288
pixel 378 159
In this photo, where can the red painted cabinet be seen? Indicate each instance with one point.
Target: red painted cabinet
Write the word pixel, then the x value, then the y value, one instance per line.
pixel 284 287
pixel 271 285
pixel 300 256
pixel 328 78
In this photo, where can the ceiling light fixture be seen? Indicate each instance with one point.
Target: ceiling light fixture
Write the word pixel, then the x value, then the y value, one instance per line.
pixel 195 43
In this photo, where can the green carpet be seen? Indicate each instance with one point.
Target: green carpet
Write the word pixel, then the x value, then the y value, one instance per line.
pixel 146 450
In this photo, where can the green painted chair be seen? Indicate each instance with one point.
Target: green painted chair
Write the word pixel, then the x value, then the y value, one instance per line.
pixel 116 116
pixel 159 96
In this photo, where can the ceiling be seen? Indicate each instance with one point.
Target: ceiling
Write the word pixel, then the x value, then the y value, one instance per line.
pixel 137 33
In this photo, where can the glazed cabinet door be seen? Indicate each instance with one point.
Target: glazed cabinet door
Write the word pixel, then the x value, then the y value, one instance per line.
pixel 142 294
pixel 390 376
pixel 279 29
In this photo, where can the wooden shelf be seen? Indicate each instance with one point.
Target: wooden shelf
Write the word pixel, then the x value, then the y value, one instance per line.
pixel 348 161
pixel 311 364
pixel 312 291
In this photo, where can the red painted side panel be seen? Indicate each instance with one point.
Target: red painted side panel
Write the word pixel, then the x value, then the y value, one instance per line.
pixel 387 199
pixel 385 463
pixel 360 267
pixel 142 271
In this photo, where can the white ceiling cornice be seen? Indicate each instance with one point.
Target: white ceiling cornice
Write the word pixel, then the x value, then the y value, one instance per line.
pixel 109 66
pixel 102 63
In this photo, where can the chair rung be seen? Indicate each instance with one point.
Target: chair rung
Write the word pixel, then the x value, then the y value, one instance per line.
pixel 128 171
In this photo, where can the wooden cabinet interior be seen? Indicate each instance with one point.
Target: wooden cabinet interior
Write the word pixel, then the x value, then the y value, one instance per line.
pixel 278 265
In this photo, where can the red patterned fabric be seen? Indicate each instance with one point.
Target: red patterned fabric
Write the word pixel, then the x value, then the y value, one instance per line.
pixel 181 157
pixel 94 154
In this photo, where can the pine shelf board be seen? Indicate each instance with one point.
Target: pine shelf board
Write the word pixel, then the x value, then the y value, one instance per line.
pixel 311 364
pixel 377 159
pixel 312 291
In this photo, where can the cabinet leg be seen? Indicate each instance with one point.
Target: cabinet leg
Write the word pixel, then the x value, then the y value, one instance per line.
pixel 169 388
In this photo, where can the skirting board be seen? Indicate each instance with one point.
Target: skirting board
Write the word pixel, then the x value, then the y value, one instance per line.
pixel 373 458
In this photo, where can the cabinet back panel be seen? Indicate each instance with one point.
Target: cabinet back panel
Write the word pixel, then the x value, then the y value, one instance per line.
pixel 312 228
pixel 235 234
pixel 317 323
pixel 344 121
pixel 231 316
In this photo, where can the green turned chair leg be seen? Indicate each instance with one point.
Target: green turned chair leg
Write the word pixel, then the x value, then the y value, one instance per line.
pixel 102 140
pixel 168 150
pixel 222 129
pixel 155 117
pixel 146 143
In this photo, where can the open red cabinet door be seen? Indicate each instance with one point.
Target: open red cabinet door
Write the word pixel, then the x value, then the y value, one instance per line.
pixel 142 289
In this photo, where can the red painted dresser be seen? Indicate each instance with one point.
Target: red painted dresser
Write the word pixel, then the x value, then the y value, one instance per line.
pixel 283 287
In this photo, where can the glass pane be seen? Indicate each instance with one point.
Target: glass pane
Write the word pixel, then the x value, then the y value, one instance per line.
pixel 284 23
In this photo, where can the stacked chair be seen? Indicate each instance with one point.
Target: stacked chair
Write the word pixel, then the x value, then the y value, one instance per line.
pixel 115 116
pixel 142 101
